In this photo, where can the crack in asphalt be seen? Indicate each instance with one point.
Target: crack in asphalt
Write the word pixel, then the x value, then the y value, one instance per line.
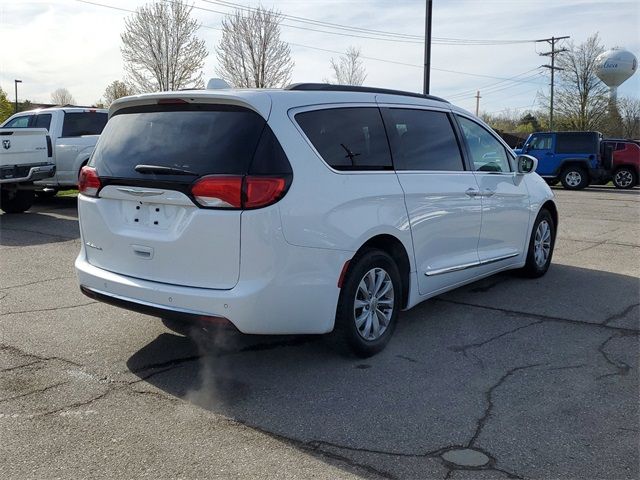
pixel 52 309
pixel 40 358
pixel 621 315
pixel 489 399
pixel 595 244
pixel 25 365
pixel 544 318
pixel 464 348
pixel 36 282
pixel 32 392
pixel 621 367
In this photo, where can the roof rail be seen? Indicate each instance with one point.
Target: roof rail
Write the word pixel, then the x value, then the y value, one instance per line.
pixel 327 87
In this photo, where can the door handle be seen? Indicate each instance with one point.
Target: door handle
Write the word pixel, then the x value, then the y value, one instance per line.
pixel 487 192
pixel 472 192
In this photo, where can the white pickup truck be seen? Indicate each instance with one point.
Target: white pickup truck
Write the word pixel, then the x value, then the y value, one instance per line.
pixel 74 132
pixel 25 156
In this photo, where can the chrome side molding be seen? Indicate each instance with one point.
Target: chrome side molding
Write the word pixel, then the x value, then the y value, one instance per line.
pixel 464 266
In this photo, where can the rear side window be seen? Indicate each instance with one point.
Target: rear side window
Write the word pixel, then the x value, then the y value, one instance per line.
pixel 83 123
pixel 201 139
pixel 19 122
pixel 422 140
pixel 576 143
pixel 43 121
pixel 348 138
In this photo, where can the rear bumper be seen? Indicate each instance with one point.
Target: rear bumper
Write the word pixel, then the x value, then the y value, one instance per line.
pixel 26 173
pixel 285 304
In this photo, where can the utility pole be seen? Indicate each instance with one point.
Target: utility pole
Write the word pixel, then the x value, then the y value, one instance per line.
pixel 478 97
pixel 427 47
pixel 552 41
pixel 16 82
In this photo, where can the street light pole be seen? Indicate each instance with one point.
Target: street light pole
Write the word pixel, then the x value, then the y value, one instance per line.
pixel 427 47
pixel 16 82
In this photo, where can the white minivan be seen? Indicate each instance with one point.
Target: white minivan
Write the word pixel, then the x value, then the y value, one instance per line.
pixel 307 210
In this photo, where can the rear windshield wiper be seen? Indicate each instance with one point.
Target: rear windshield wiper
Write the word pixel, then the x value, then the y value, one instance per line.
pixel 163 170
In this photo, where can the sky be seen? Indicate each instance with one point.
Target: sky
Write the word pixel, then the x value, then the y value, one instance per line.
pixel 76 45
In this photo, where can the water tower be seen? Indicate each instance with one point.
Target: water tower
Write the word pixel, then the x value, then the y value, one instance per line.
pixel 614 67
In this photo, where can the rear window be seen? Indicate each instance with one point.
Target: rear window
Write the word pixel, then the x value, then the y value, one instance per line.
pixel 83 123
pixel 576 143
pixel 203 139
pixel 348 138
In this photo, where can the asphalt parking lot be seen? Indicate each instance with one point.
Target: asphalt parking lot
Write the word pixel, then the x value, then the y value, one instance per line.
pixel 504 378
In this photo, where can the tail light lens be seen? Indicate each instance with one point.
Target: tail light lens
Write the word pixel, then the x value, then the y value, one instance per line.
pixel 218 191
pixel 238 192
pixel 263 191
pixel 89 182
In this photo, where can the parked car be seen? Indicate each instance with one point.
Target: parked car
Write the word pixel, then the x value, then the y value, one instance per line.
pixel 74 132
pixel 306 210
pixel 623 157
pixel 572 158
pixel 25 157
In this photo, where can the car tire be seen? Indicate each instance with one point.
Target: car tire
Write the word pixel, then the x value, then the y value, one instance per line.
pixel 16 201
pixel 574 178
pixel 625 178
pixel 541 245
pixel 372 281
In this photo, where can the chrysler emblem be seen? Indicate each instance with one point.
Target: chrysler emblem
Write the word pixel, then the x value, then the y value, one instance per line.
pixel 6 144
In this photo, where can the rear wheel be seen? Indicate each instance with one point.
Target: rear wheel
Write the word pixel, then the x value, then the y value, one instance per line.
pixel 368 305
pixel 541 243
pixel 574 178
pixel 16 201
pixel 625 177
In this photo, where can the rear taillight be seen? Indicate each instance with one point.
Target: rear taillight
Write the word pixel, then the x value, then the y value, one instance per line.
pixel 89 182
pixel 218 191
pixel 263 191
pixel 229 191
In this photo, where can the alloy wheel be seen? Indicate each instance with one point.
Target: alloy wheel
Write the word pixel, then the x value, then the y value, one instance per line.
pixel 623 178
pixel 542 243
pixel 573 178
pixel 373 304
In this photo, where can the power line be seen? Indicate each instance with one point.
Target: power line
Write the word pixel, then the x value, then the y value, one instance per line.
pixel 419 38
pixel 325 49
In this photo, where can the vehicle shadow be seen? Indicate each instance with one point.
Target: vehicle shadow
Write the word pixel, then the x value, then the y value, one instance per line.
pixel 425 392
pixel 49 220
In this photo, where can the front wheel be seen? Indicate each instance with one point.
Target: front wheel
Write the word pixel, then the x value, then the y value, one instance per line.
pixel 574 178
pixel 541 243
pixel 16 201
pixel 369 303
pixel 625 178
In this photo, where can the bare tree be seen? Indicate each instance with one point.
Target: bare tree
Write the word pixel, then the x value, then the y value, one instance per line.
pixel 62 96
pixel 349 69
pixel 581 97
pixel 251 54
pixel 116 90
pixel 160 48
pixel 629 109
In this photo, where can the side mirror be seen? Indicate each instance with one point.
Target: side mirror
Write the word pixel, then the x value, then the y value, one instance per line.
pixel 526 163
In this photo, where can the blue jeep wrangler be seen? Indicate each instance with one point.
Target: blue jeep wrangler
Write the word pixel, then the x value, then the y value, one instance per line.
pixel 573 158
